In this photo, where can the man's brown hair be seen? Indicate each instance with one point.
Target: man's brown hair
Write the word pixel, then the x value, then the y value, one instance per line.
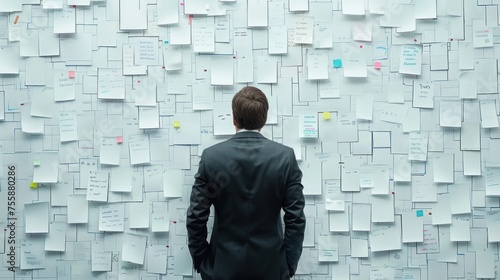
pixel 250 108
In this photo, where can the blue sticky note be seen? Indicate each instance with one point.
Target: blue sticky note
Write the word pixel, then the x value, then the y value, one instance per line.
pixel 420 213
pixel 337 63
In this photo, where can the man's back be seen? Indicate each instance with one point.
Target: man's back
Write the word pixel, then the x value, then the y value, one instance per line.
pixel 248 179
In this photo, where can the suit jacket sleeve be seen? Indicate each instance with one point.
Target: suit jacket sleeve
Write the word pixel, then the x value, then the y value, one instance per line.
pixel 294 219
pixel 197 216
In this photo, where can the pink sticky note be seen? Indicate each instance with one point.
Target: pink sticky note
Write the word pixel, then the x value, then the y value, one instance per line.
pixel 119 139
pixel 377 65
pixel 71 74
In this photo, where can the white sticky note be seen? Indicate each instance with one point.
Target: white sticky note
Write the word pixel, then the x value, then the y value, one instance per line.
pixel 78 209
pixel 56 239
pixel 36 217
pixel 134 248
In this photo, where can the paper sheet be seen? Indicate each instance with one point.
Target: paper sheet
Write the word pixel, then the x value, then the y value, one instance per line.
pixel 139 149
pixel 77 209
pixel 386 237
pixel 111 217
pixel 418 146
pixel 413 227
pixel 139 215
pixel 110 84
pixel 47 170
pixel 157 258
pixel 36 217
pixel 97 189
pixel 328 247
pixel 411 60
pixel 423 95
pixel 470 136
pixel 160 218
pixel 68 130
pixel 56 239
pixel 257 13
pixel 100 258
pixel 134 248
pixel 223 119
pixel 32 254
pixel 173 180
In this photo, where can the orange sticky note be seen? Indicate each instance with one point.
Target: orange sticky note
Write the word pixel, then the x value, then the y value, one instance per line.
pixel 71 74
pixel 327 115
pixel 33 185
pixel 15 20
pixel 177 124
pixel 377 65
pixel 119 139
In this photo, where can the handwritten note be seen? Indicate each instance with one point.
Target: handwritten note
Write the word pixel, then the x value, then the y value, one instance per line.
pixel 111 217
pixel 139 149
pixel 328 244
pixel 304 28
pixel 64 86
pixel 418 146
pixel 68 126
pixel 423 95
pixel 97 189
pixel 308 126
pixel 411 60
pixel 111 84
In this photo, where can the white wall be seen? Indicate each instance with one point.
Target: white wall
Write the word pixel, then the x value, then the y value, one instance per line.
pixel 134 90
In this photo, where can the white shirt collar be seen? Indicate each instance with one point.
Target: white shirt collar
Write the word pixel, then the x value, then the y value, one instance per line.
pixel 243 130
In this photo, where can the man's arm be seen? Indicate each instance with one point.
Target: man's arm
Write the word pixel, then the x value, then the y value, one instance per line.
pixel 197 217
pixel 295 221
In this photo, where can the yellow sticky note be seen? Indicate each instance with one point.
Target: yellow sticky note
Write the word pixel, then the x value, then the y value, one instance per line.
pixel 327 115
pixel 177 124
pixel 33 185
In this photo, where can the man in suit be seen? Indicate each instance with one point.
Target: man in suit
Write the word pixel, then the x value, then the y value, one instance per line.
pixel 248 179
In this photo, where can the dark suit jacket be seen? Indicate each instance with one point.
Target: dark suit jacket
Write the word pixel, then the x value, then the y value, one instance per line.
pixel 248 179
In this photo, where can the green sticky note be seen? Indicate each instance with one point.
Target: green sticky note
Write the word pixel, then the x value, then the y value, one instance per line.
pixel 420 213
pixel 36 162
pixel 337 63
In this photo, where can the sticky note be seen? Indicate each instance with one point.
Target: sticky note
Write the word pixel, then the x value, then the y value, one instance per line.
pixel 420 213
pixel 36 162
pixel 337 63
pixel 119 139
pixel 177 124
pixel 327 115
pixel 71 74
pixel 377 65
pixel 165 42
pixel 15 20
pixel 33 185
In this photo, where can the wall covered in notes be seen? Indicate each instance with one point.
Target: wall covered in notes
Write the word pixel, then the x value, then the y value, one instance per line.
pixel 391 107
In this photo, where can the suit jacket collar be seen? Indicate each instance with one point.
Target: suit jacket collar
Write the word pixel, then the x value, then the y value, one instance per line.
pixel 247 134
